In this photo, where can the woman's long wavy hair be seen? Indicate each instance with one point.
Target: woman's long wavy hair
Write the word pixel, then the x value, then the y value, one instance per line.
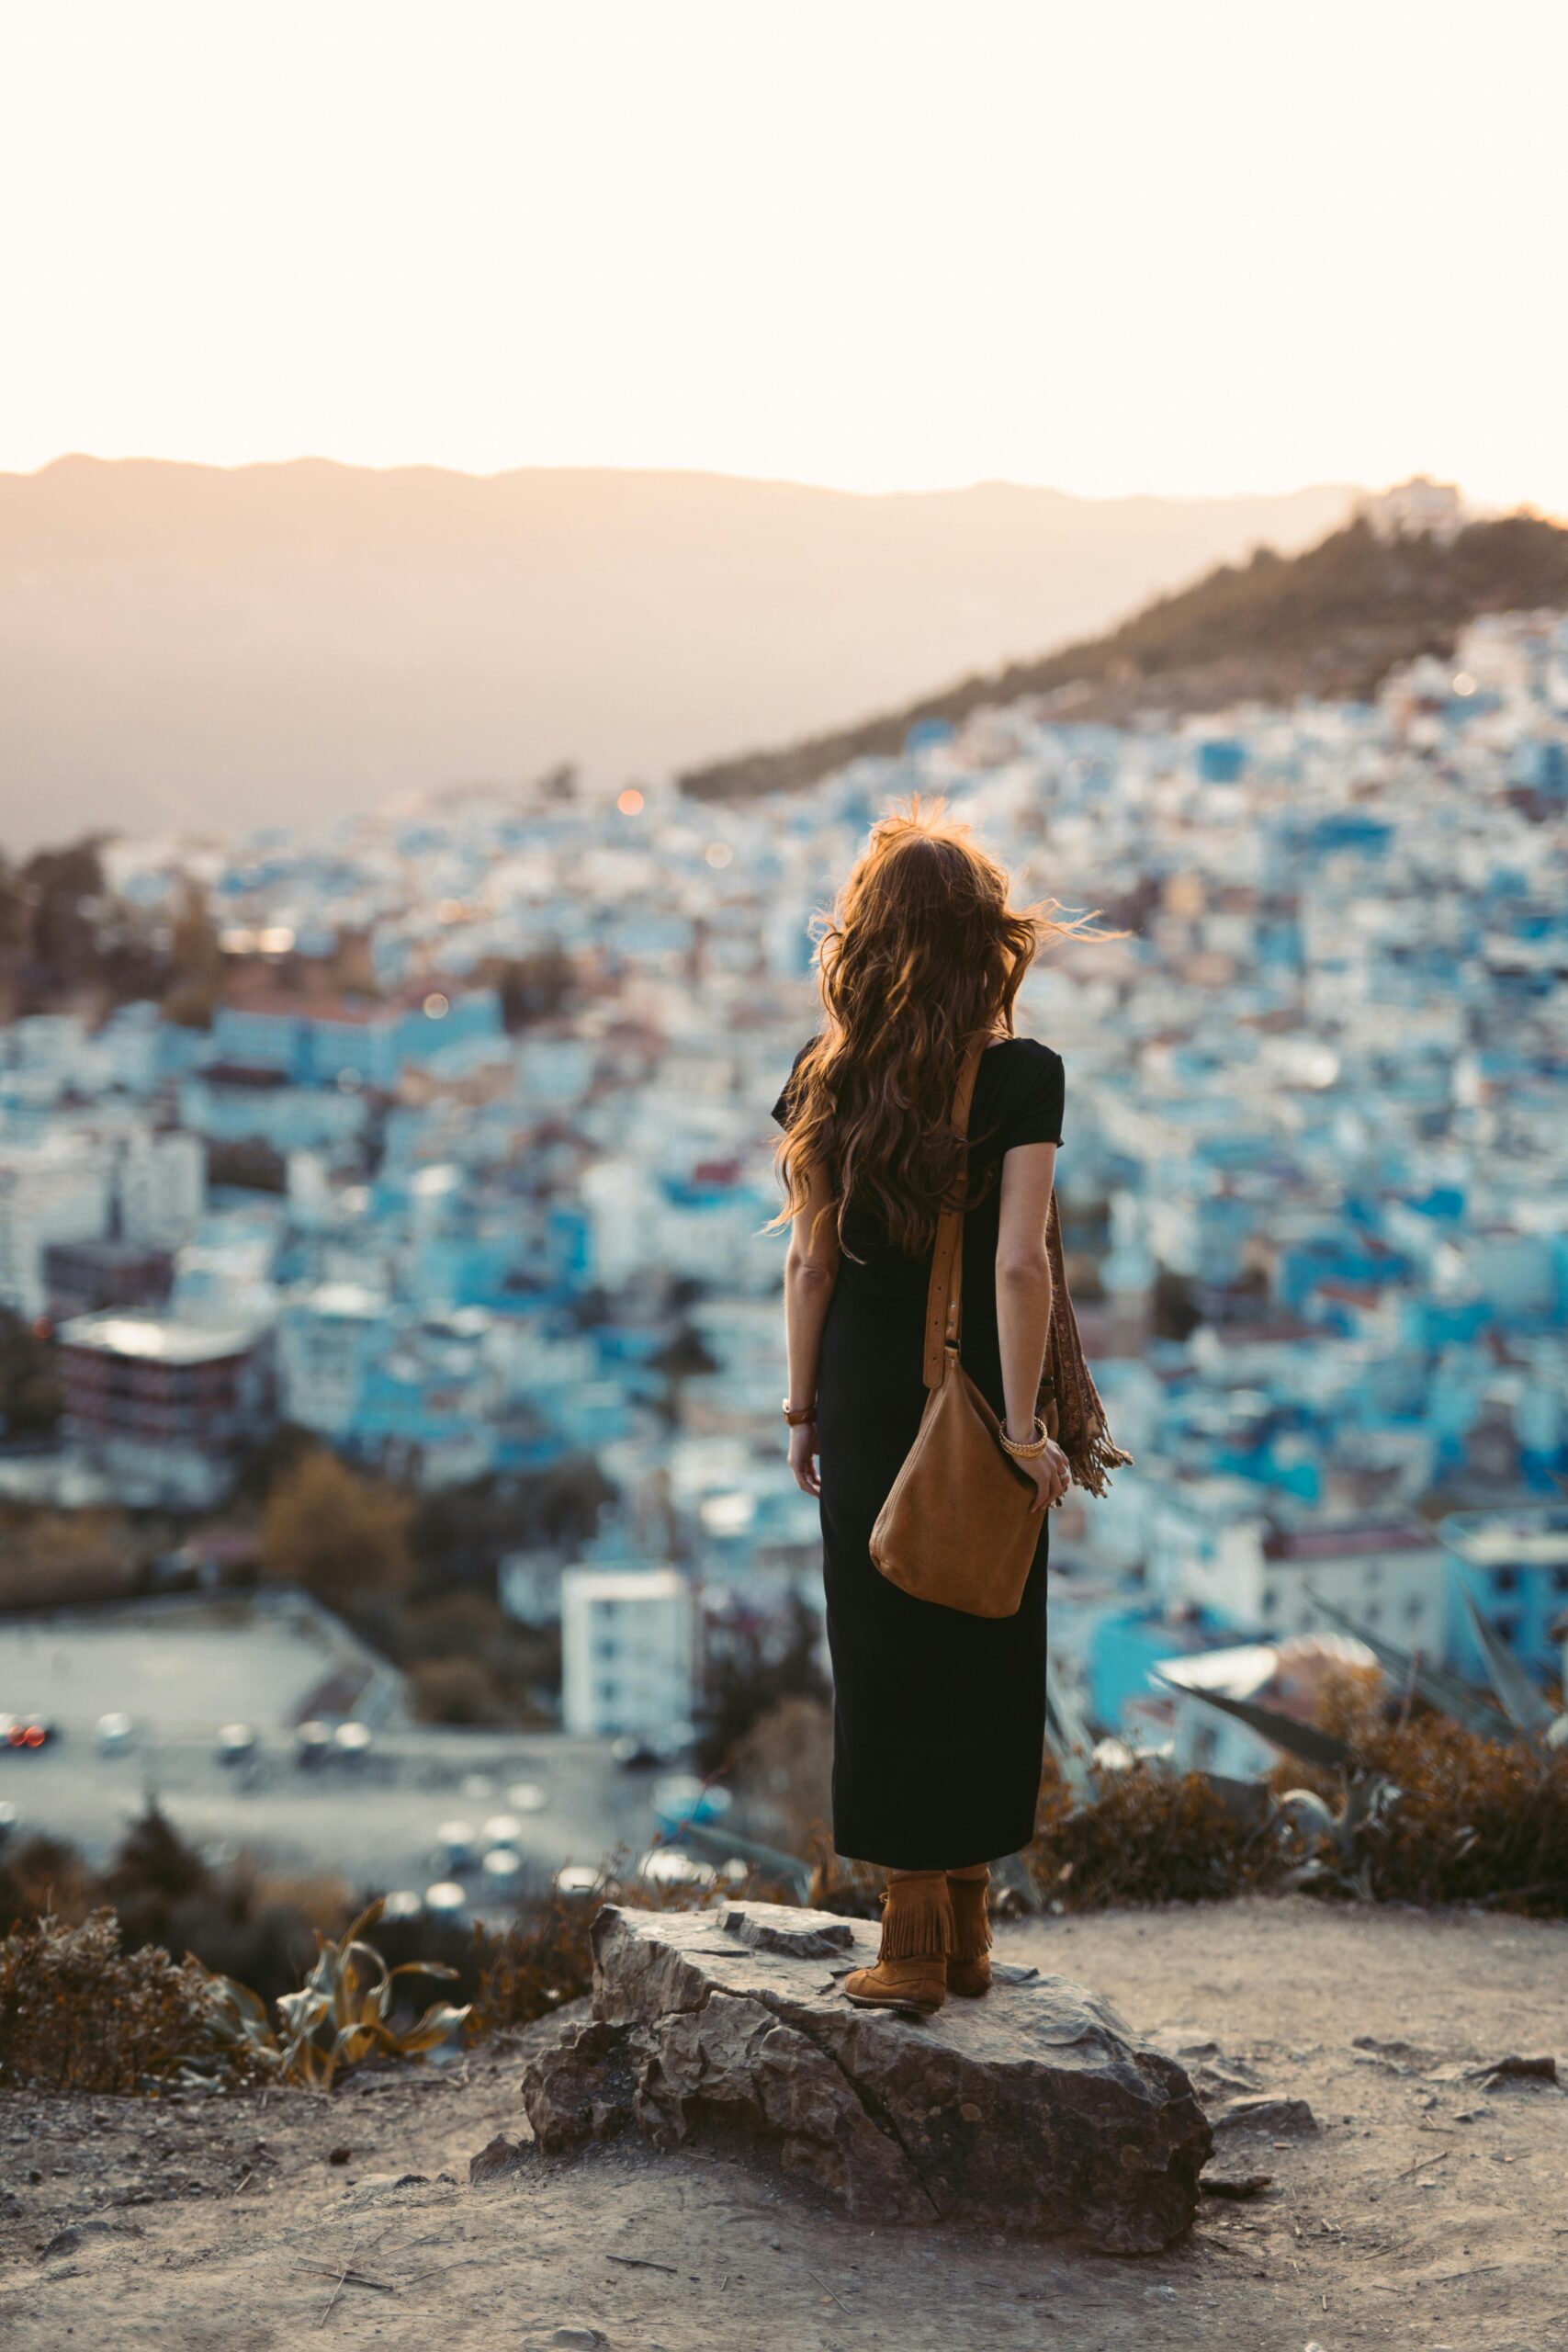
pixel 922 954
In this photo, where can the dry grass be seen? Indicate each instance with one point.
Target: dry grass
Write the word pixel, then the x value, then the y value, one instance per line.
pixel 79 2014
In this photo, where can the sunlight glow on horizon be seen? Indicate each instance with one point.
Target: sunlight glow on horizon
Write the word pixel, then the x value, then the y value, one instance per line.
pixel 902 245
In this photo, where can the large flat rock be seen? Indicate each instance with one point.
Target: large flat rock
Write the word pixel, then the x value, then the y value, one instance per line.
pixel 1036 2108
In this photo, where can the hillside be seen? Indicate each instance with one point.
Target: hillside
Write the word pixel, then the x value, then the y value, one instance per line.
pixel 1330 621
pixel 190 645
pixel 1418 2200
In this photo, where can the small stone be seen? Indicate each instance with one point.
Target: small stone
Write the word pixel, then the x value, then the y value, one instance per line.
pixel 72 2239
pixel 339 2156
pixel 497 2158
pixel 1277 2115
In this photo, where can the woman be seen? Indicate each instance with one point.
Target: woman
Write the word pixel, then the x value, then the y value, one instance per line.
pixel 939 1716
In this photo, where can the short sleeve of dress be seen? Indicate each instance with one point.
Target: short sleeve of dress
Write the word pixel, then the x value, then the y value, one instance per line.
pixel 1036 1100
pixel 786 1103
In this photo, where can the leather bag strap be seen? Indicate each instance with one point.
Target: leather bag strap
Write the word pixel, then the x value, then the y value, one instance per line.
pixel 945 1297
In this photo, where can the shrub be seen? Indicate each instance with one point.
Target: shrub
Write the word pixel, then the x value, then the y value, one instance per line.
pixel 78 2013
pixel 1146 1835
pixel 454 1690
pixel 542 1960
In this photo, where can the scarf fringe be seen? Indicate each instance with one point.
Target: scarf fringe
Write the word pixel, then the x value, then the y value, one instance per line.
pixel 917 1919
pixel 1069 1402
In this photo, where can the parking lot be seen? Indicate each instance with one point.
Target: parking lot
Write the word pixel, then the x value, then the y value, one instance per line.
pixel 182 1672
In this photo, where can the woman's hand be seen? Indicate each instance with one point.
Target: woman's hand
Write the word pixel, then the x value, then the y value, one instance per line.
pixel 1047 1473
pixel 803 1457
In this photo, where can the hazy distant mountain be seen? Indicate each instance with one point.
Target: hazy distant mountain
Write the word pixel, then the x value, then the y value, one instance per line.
pixel 192 645
pixel 1331 620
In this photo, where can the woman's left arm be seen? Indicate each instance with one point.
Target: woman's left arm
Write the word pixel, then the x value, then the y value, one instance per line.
pixel 811 1269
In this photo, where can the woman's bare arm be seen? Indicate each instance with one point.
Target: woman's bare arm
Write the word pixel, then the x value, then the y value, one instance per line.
pixel 1023 1302
pixel 811 1269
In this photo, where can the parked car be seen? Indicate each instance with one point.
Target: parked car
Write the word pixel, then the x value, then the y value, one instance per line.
pixel 577 1881
pixel 26 1732
pixel 115 1733
pixel 667 1866
pixel 457 1847
pixel 236 1743
pixel 503 1867
pixel 445 1899
pixel 680 1797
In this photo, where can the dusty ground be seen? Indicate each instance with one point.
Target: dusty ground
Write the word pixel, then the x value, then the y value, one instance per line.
pixel 1428 2210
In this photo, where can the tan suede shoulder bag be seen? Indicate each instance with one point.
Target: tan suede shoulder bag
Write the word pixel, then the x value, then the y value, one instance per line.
pixel 956 1528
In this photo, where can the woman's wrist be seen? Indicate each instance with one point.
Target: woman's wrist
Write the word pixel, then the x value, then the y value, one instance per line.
pixel 797 1416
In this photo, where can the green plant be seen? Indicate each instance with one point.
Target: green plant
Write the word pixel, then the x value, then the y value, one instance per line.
pixel 343 2012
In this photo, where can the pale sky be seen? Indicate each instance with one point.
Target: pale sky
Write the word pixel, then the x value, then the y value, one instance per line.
pixel 1114 245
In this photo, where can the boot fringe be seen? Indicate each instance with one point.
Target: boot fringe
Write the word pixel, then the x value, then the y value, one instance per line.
pixel 917 1919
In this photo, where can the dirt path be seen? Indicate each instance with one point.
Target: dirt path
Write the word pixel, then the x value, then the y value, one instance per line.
pixel 1429 2209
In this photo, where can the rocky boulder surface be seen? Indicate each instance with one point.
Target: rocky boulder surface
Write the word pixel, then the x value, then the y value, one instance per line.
pixel 1035 2109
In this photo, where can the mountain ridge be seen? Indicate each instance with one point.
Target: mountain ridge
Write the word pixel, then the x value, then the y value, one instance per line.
pixel 1331 620
pixel 191 645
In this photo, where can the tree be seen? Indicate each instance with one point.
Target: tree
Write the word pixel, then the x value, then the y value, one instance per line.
pixel 29 1389
pixel 343 1536
pixel 195 961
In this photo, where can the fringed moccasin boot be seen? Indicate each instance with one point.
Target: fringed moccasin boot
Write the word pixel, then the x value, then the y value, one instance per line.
pixel 969 1964
pixel 916 1938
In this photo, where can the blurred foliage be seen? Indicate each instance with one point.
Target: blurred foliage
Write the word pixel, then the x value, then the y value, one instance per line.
pixel 195 961
pixel 79 2013
pixel 31 1400
pixel 1145 1835
pixel 238 1919
pixel 339 1533
pixel 542 1960
pixel 780 1773
pixel 249 1163
pixel 62 1559
pixel 751 1667
pixel 538 986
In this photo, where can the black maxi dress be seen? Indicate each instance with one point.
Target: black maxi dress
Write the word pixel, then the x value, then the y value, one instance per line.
pixel 938 1718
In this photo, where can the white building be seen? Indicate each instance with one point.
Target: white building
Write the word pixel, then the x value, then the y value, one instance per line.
pixel 162 1190
pixel 1388 1573
pixel 327 1340
pixel 53 1192
pixel 627 1651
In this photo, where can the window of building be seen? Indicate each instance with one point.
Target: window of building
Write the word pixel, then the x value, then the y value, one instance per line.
pixel 1506 1626
pixel 1505 1579
pixel 1414 1609
pixel 1373 1612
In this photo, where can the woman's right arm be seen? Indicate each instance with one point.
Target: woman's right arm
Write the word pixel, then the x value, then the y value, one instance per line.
pixel 812 1270
pixel 1023 1307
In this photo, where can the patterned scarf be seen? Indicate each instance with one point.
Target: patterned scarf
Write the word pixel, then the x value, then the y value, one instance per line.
pixel 1069 1402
